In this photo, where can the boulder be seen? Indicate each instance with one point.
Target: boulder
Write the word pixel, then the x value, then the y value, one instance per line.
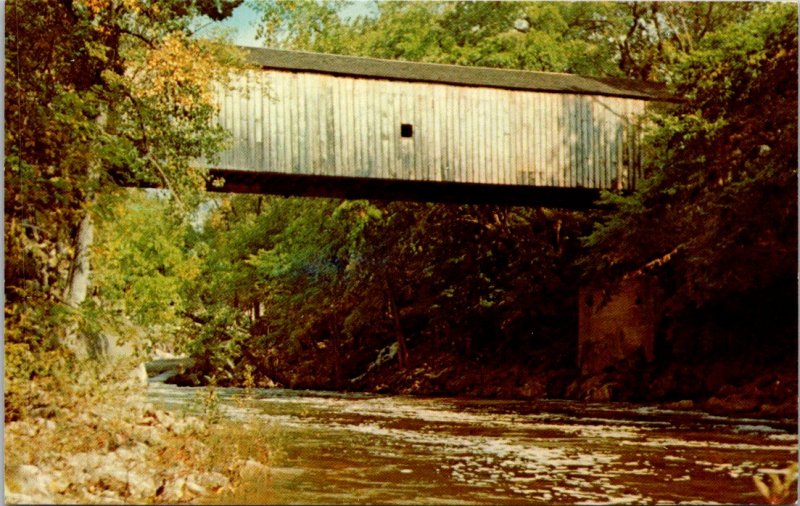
pixel 603 393
pixel 139 375
pixel 533 389
pixel 175 490
pixel 213 481
pixel 252 470
pixel 732 404
pixel 787 409
pixel 27 480
pixel 683 404
pixel 195 488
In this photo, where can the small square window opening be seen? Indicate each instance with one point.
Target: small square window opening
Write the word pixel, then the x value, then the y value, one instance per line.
pixel 406 130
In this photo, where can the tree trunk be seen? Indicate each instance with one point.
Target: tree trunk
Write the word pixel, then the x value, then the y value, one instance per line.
pixel 78 287
pixel 402 351
pixel 337 350
pixel 80 271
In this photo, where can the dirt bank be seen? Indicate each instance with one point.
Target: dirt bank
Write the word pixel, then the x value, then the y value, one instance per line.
pixel 102 442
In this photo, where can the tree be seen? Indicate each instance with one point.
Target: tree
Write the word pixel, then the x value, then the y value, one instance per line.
pixel 640 40
pixel 98 92
pixel 146 266
pixel 718 213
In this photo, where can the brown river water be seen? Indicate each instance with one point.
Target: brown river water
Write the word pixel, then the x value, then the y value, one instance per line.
pixel 362 448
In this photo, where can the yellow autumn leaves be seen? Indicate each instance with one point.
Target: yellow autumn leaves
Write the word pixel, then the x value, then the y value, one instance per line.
pixel 180 69
pixel 134 6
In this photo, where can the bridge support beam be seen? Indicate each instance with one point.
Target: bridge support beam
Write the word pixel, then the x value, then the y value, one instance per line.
pixel 617 322
pixel 307 185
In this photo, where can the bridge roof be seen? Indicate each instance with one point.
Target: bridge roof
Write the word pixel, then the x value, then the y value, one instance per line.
pixel 374 68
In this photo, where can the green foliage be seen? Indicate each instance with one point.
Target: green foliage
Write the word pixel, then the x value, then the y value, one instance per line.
pixel 145 267
pixel 308 23
pixel 637 39
pixel 315 277
pixel 98 92
pixel 720 205
pixel 217 344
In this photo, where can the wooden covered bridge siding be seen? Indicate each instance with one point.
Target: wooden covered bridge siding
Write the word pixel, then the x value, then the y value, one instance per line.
pixel 337 120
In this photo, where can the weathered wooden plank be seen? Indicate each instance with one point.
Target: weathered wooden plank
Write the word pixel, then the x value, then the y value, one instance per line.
pixel 483 163
pixel 528 164
pixel 251 119
pixel 288 123
pixel 549 137
pixel 258 121
pixel 382 107
pixel 406 166
pixel 292 141
pixel 434 164
pixel 537 146
pixel 577 154
pixel 377 118
pixel 507 158
pixel 589 127
pixel 481 167
pixel 357 131
pixel 425 136
pixel 551 132
pixel 514 125
pixel 597 159
pixel 396 140
pixel 303 165
pixel 364 129
pixel 501 151
pixel 508 140
pixel 470 128
pixel 607 140
pixel 438 166
pixel 616 142
pixel 328 132
pixel 491 140
pixel 335 127
pixel 448 142
pixel 374 131
pixel 347 128
pixel 460 151
pixel 572 159
pixel 474 135
pixel 530 138
pixel 236 127
pixel 563 148
pixel 416 139
pixel 315 112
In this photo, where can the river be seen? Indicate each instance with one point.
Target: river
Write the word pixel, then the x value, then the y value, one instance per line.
pixel 363 448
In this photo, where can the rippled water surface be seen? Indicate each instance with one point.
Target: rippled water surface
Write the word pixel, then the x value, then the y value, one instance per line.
pixel 359 448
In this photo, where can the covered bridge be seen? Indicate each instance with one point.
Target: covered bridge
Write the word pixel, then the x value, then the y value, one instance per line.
pixel 331 125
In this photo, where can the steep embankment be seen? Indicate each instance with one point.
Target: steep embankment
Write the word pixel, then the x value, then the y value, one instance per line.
pixel 745 378
pixel 722 386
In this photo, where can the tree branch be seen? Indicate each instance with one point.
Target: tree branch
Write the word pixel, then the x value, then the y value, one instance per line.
pixel 658 262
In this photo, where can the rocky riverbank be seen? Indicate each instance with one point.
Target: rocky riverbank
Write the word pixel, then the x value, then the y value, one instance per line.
pixel 720 388
pixel 106 444
pixel 740 385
